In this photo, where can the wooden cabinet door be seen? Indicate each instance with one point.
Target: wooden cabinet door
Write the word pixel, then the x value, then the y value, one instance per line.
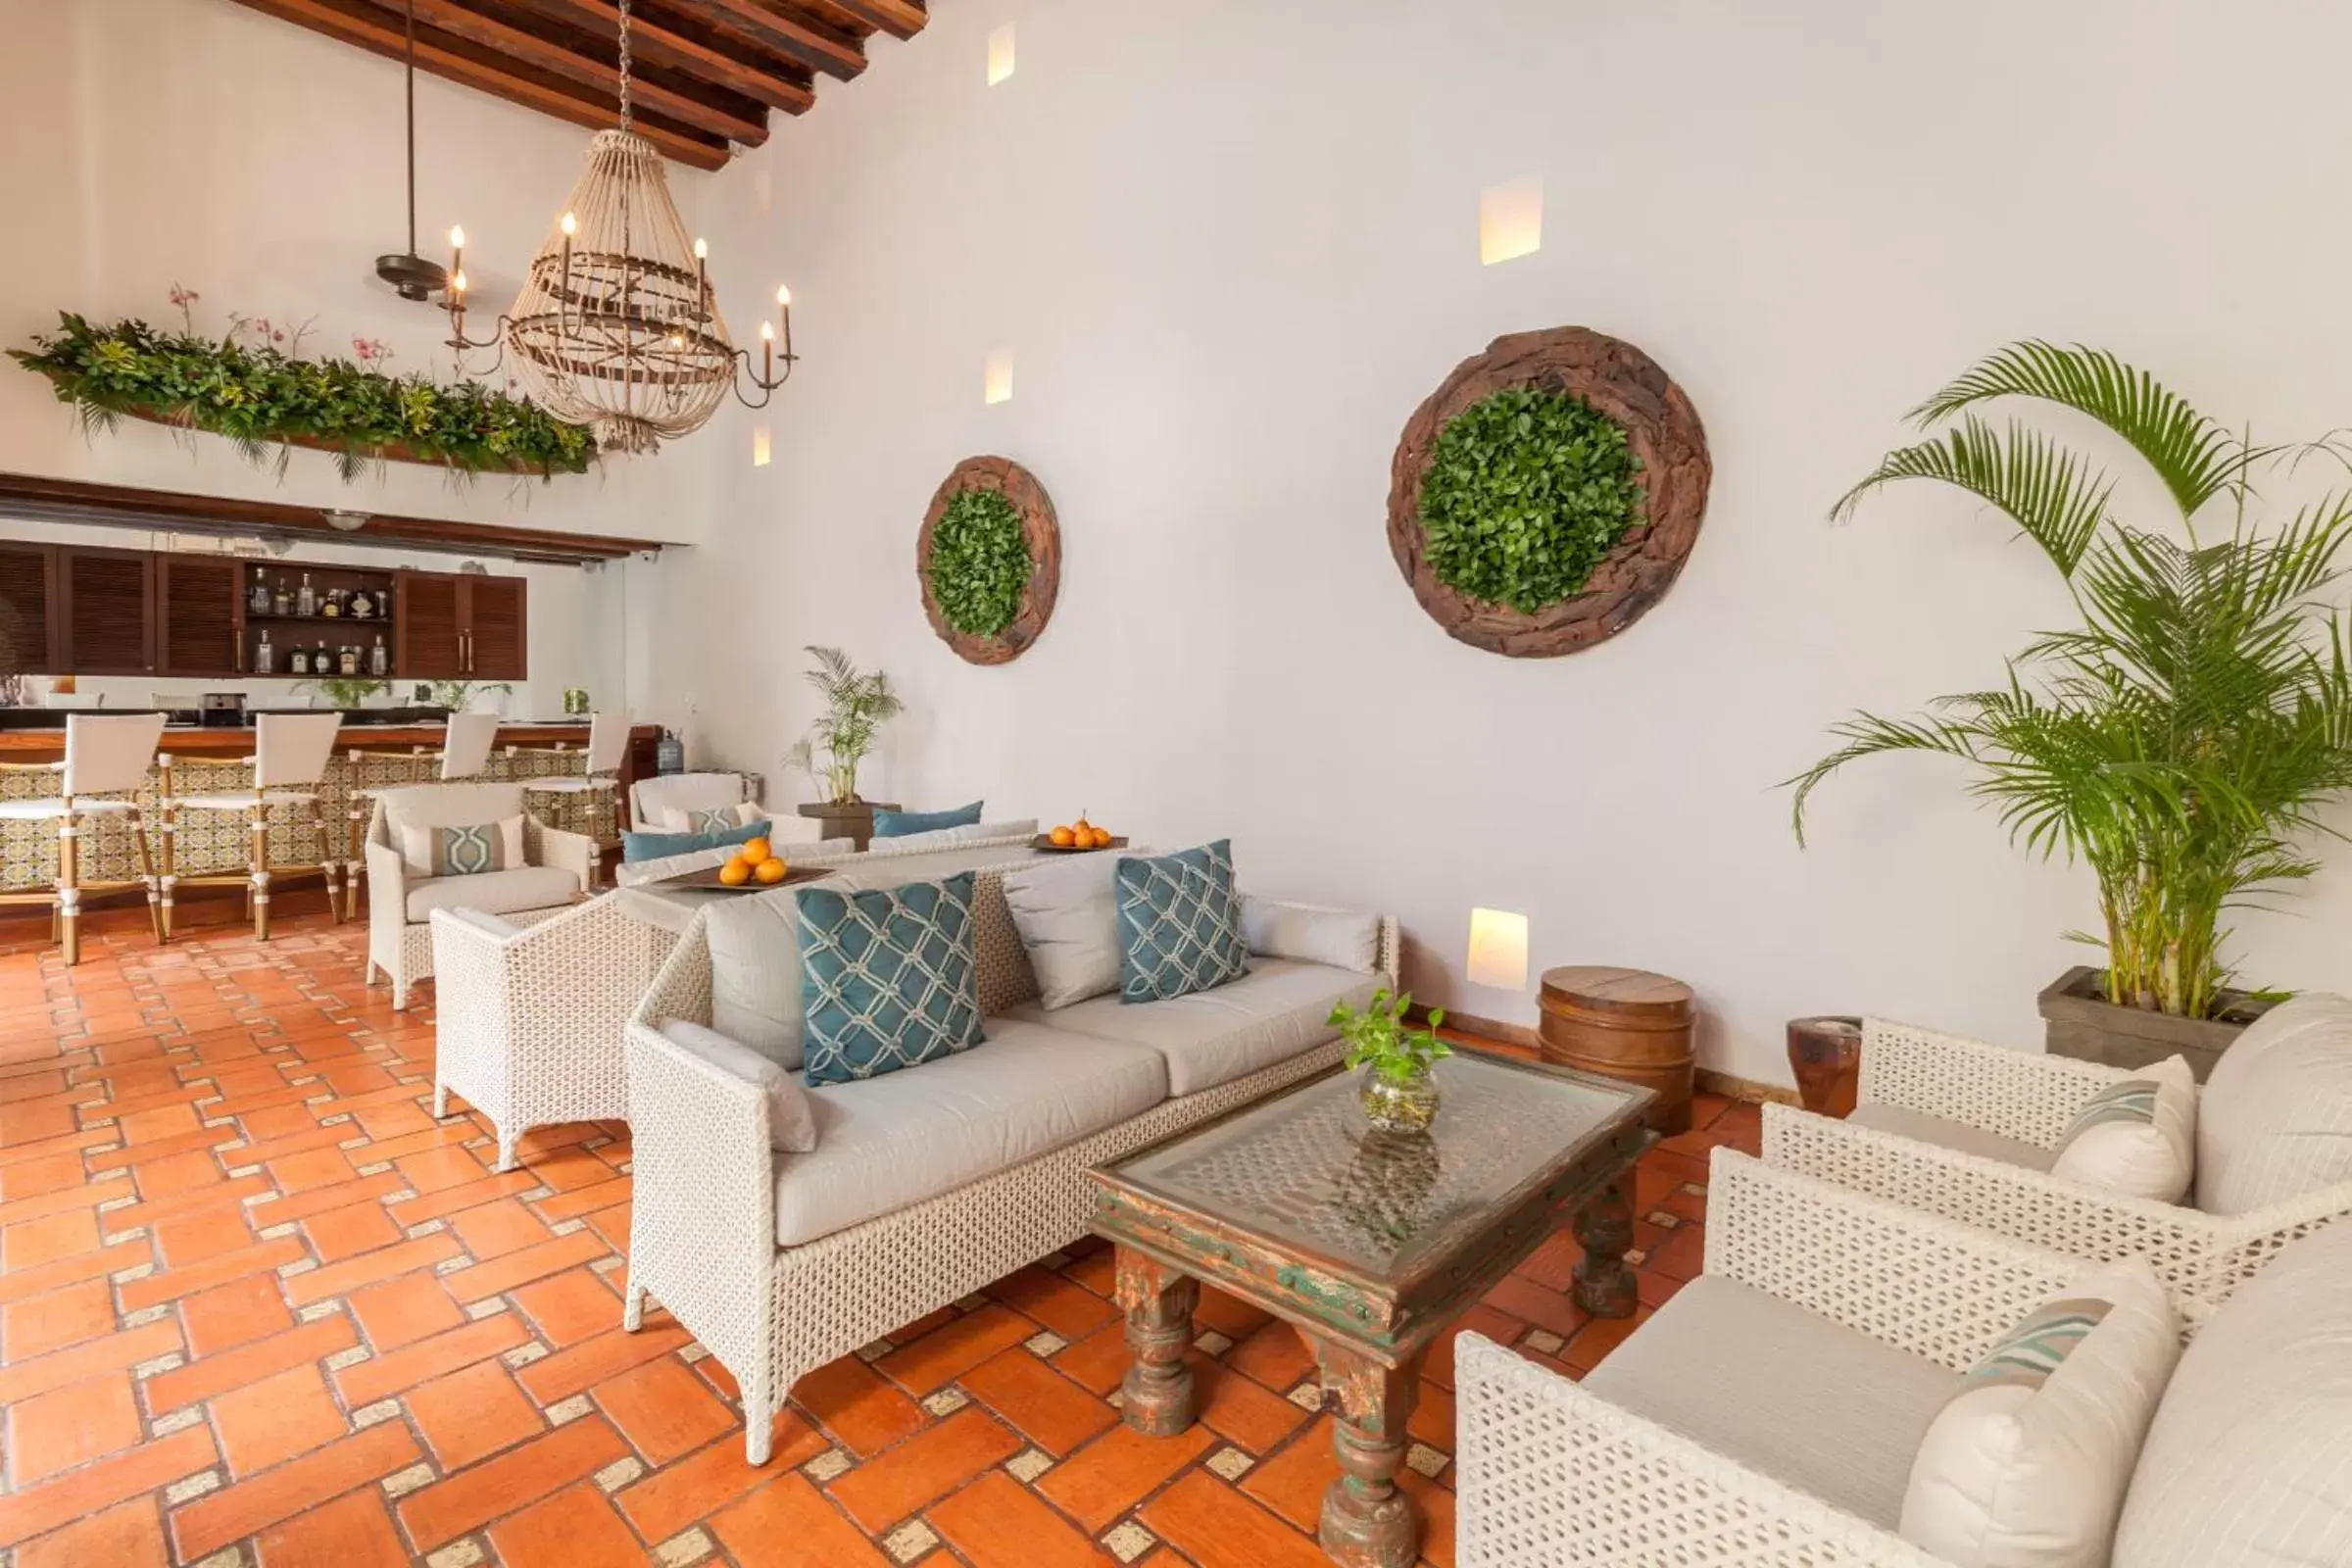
pixel 497 629
pixel 199 615
pixel 109 610
pixel 428 625
pixel 28 619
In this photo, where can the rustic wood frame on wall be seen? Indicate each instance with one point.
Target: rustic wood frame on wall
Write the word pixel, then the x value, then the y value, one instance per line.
pixel 1629 387
pixel 1041 529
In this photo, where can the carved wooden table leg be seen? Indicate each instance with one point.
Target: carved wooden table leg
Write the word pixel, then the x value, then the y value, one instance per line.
pixel 1604 1227
pixel 1367 1522
pixel 1159 1388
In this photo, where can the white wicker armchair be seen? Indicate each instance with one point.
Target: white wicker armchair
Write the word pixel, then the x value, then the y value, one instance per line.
pixel 1551 1473
pixel 2032 1099
pixel 400 903
pixel 703 1227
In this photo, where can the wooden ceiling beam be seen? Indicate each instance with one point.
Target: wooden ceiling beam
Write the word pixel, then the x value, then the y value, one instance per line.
pixel 788 91
pixel 901 18
pixel 549 54
pixel 353 22
pixel 797 37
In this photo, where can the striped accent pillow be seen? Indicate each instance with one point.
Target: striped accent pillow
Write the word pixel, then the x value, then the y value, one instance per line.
pixel 2026 1356
pixel 2137 1137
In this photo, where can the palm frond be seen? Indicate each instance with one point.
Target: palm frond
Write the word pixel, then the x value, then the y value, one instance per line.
pixel 2051 495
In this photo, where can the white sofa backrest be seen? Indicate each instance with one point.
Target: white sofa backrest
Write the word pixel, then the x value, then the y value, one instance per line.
pixel 444 806
pixel 2275 1121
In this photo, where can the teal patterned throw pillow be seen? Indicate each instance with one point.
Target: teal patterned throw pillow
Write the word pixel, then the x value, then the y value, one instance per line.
pixel 888 977
pixel 1180 923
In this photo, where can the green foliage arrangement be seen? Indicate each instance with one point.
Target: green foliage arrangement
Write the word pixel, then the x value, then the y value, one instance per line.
pixel 1525 492
pixel 2185 737
pixel 259 393
pixel 856 706
pixel 979 561
pixel 345 691
pixel 1377 1038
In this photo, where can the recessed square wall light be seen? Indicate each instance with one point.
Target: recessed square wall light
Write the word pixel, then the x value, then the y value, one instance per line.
pixel 998 386
pixel 759 447
pixel 1498 949
pixel 1000 54
pixel 1510 220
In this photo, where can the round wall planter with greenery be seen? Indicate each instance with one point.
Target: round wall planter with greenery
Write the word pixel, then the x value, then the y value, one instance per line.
pixel 989 560
pixel 1546 494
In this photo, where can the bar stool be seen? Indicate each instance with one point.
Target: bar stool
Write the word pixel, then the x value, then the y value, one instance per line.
pixel 104 756
pixel 464 752
pixel 289 764
pixel 600 777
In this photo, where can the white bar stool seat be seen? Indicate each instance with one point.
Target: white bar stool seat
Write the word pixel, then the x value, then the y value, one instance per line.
pixel 105 758
pixel 289 764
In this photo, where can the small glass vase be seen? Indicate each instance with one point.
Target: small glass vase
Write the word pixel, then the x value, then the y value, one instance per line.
pixel 1398 1108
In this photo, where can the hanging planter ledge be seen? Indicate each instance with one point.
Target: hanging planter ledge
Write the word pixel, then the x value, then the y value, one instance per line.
pixel 260 396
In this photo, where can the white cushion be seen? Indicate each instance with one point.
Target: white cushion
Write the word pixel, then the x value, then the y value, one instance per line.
pixel 52 806
pixel 652 799
pixel 2248 1463
pixel 1342 939
pixel 2276 1118
pixel 1278 1010
pixel 1904 1122
pixel 791 1125
pixel 416 845
pixel 2025 1466
pixel 1068 917
pixel 245 799
pixel 680 819
pixel 2137 1137
pixel 1025 827
pixel 1796 1395
pixel 447 806
pixel 525 887
pixel 883 1144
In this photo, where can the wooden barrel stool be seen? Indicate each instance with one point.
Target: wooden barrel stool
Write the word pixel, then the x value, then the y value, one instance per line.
pixel 1627 1024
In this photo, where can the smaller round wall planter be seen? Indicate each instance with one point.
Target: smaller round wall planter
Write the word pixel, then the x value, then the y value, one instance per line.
pixel 1629 389
pixel 1041 534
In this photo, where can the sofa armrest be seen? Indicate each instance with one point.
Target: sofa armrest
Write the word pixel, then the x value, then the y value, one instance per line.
pixel 2025 1095
pixel 1546 1471
pixel 553 845
pixel 1918 1282
pixel 387 889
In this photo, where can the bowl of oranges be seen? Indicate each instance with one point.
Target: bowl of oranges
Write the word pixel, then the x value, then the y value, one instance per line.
pixel 1074 838
pixel 753 866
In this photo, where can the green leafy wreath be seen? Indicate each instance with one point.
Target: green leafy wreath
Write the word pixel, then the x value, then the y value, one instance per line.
pixel 1525 493
pixel 980 562
pixel 258 394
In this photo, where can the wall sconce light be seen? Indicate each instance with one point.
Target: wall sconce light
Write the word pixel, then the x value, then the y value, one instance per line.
pixel 1510 220
pixel 1000 54
pixel 759 446
pixel 1498 949
pixel 998 387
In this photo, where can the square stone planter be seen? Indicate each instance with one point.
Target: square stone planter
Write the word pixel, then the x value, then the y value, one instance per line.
pixel 855 820
pixel 2080 1021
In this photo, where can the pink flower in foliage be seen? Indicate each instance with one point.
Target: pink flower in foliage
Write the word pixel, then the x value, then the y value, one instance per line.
pixel 371 350
pixel 184 297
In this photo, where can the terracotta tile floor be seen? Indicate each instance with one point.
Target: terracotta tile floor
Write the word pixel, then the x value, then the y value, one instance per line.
pixel 257 1306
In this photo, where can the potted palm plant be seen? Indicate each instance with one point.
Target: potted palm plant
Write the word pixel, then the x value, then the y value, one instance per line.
pixel 857 705
pixel 2182 738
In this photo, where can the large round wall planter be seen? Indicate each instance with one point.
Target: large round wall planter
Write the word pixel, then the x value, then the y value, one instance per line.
pixel 1041 534
pixel 1627 387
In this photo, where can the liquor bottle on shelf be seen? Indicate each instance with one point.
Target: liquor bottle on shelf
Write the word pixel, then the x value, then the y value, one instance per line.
pixel 380 661
pixel 282 602
pixel 265 658
pixel 383 604
pixel 258 602
pixel 347 662
pixel 306 602
pixel 298 662
pixel 332 603
pixel 323 663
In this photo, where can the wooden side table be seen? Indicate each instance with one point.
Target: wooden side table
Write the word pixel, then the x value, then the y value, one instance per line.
pixel 1369 1243
pixel 1624 1024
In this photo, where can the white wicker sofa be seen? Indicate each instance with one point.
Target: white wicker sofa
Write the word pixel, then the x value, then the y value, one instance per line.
pixel 1968 1130
pixel 400 903
pixel 928 1183
pixel 1769 1415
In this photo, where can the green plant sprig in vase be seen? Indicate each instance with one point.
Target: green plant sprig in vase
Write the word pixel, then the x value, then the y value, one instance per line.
pixel 1397 1092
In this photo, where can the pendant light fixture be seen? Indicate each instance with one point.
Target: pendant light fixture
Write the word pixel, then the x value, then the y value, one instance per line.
pixel 411 275
pixel 616 327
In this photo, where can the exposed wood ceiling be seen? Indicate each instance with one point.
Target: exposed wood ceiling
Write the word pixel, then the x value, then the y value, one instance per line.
pixel 705 73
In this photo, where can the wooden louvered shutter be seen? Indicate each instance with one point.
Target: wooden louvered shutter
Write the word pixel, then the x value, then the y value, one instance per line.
pixel 427 627
pixel 198 612
pixel 109 599
pixel 497 634
pixel 29 609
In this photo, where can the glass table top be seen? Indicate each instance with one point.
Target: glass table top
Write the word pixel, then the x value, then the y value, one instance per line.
pixel 1305 1168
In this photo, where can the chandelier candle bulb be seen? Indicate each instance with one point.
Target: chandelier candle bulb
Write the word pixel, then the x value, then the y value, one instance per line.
pixel 784 310
pixel 457 252
pixel 701 281
pixel 767 349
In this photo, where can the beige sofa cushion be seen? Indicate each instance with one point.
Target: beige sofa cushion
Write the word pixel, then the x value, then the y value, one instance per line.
pixel 2276 1118
pixel 885 1143
pixel 1345 939
pixel 445 806
pixel 525 887
pixel 2248 1463
pixel 1771 1386
pixel 1278 1010
pixel 1904 1122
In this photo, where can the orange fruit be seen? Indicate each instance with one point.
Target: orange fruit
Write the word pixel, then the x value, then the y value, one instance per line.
pixel 1102 838
pixel 771 871
pixel 1082 826
pixel 1063 838
pixel 735 873
pixel 756 851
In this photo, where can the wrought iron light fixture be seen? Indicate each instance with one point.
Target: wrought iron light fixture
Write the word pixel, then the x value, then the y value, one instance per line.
pixel 617 327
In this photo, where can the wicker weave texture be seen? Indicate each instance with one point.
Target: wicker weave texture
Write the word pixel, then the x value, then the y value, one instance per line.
pixel 2023 1094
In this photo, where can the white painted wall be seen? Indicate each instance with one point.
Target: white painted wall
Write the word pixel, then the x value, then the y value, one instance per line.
pixel 1231 244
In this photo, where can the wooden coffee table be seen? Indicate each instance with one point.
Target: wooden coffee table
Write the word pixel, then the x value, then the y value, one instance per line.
pixel 1369 1243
